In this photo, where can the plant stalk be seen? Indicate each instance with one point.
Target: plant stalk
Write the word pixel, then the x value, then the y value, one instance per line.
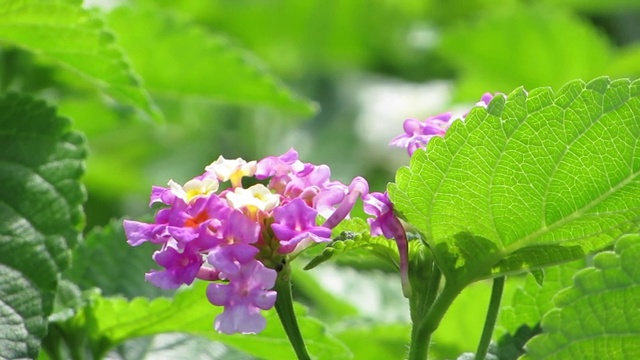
pixel 286 313
pixel 492 315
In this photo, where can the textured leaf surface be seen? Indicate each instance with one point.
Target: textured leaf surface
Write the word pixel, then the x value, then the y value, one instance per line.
pixel 533 180
pixel 112 321
pixel 74 38
pixel 41 162
pixel 599 316
pixel 206 65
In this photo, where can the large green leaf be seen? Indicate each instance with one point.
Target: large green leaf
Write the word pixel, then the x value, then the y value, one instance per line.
pixel 535 179
pixel 598 317
pixel 180 59
pixel 524 46
pixel 41 162
pixel 112 321
pixel 77 40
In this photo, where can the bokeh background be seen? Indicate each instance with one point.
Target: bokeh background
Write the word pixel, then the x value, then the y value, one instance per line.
pixel 349 71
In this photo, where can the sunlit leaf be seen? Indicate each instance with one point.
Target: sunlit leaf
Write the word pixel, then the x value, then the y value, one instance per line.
pixel 114 320
pixel 598 317
pixel 41 162
pixel 535 179
pixel 74 38
pixel 180 59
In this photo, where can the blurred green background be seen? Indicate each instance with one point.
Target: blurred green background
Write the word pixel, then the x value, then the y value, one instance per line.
pixel 334 79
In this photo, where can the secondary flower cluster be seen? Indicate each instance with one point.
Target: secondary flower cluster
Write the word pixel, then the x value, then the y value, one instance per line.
pixel 418 133
pixel 237 237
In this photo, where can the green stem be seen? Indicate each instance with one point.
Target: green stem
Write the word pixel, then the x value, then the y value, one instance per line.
pixel 434 286
pixel 424 326
pixel 284 308
pixel 492 315
pixel 420 303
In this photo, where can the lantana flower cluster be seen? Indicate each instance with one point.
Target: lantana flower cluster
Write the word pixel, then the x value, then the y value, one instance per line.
pixel 237 238
pixel 418 133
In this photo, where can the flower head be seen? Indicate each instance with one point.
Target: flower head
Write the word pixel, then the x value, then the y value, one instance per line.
pixel 235 238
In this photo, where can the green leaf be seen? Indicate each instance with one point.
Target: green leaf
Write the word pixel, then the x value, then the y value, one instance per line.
pixel 524 46
pixel 77 40
pixel 208 65
pixel 112 321
pixel 531 301
pixel 598 317
pixel 119 273
pixel 352 235
pixel 41 162
pixel 535 179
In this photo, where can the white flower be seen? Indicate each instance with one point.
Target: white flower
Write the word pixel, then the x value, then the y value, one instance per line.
pixel 194 188
pixel 257 197
pixel 233 170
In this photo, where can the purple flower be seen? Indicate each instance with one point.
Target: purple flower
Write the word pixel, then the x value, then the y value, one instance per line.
pixel 139 232
pixel 180 268
pixel 276 166
pixel 238 232
pixel 242 297
pixel 295 225
pixel 417 134
pixel 386 223
pixel 230 228
pixel 358 188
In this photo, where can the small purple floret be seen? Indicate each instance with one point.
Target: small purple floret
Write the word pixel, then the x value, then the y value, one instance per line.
pixel 295 224
pixel 242 297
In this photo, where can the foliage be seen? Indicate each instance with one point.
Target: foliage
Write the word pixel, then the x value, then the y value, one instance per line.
pixel 502 192
pixel 596 317
pixel 40 216
pixel 545 175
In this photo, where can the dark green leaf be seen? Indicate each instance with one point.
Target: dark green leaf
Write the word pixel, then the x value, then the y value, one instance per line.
pixel 41 162
pixel 105 260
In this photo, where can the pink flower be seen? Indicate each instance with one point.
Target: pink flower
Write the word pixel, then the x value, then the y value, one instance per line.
pixel 237 229
pixel 385 222
pixel 295 224
pixel 242 297
pixel 418 133
pixel 180 268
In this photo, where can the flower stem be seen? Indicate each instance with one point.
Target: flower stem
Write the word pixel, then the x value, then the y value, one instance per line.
pixel 492 315
pixel 424 326
pixel 286 313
